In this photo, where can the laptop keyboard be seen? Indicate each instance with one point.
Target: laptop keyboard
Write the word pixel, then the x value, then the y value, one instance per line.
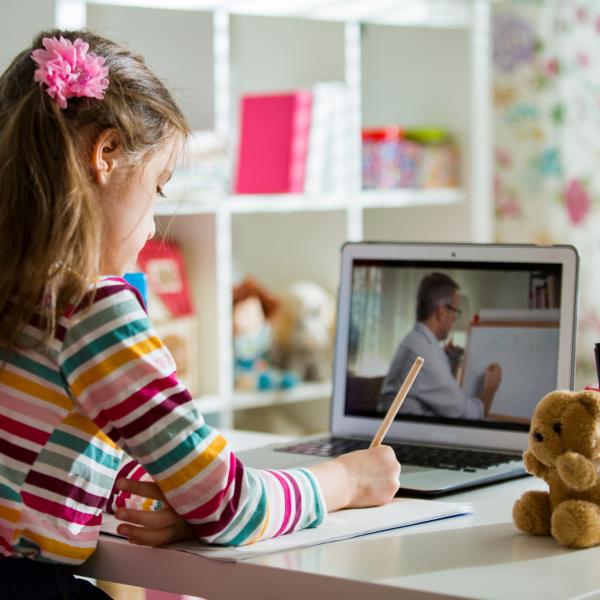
pixel 456 459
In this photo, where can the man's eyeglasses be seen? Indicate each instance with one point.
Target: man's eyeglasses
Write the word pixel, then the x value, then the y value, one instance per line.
pixel 456 311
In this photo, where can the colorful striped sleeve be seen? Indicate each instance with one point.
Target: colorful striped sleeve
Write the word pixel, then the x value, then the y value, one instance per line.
pixel 130 469
pixel 124 379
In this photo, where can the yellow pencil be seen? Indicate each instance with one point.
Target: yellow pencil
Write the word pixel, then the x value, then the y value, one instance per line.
pixel 397 403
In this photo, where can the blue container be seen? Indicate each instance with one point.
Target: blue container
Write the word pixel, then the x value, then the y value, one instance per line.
pixel 140 282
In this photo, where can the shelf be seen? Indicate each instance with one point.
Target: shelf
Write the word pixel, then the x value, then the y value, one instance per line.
pixel 288 237
pixel 408 13
pixel 304 392
pixel 192 203
pixel 187 206
pixel 301 393
pixel 282 203
pixel 209 403
pixel 410 197
pixel 261 203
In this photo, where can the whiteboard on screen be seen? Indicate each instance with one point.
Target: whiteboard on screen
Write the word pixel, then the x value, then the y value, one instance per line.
pixel 528 356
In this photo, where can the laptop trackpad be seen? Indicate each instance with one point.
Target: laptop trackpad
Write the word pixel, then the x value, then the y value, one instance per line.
pixel 428 479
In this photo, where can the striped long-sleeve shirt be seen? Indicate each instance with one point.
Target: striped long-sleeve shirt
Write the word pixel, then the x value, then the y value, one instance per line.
pixel 102 386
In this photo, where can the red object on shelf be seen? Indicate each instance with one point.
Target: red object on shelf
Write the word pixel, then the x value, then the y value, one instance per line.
pixel 274 131
pixel 163 264
pixel 382 134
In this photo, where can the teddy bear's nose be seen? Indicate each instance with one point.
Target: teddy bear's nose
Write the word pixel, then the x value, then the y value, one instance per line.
pixel 538 437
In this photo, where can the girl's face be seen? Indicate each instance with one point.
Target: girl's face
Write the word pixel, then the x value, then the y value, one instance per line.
pixel 128 196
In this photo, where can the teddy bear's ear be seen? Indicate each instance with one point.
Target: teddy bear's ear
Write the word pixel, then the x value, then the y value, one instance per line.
pixel 591 400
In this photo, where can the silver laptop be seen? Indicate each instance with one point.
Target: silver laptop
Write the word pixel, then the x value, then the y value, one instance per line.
pixel 496 326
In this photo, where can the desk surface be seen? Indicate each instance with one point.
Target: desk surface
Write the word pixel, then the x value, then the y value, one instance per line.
pixel 476 556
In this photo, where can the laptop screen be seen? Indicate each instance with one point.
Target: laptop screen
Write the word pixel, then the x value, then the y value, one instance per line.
pixel 488 331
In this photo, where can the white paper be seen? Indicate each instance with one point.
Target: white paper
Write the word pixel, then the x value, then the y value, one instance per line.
pixel 339 525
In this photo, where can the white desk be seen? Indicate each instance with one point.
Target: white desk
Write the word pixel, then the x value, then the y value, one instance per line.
pixel 476 556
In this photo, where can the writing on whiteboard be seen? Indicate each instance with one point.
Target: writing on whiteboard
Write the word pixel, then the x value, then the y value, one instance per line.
pixel 528 356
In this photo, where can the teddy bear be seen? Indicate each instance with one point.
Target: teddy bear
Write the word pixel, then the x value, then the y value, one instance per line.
pixel 303 330
pixel 564 448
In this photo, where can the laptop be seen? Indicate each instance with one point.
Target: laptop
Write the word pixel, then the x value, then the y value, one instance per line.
pixel 514 306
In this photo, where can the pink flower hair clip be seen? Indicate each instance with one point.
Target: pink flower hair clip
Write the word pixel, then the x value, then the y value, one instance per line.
pixel 69 70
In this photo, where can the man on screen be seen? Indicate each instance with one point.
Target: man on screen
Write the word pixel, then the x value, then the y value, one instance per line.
pixel 435 392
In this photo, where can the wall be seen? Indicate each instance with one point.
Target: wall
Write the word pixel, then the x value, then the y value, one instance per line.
pixel 20 21
pixel 177 46
pixel 547 138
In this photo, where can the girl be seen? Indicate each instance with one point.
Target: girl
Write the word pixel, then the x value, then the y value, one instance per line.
pixel 88 139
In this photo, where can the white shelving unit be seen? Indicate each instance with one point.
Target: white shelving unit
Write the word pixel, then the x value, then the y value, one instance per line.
pixel 405 61
pixel 195 204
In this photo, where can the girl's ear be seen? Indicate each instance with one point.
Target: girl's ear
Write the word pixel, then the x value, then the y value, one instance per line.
pixel 107 154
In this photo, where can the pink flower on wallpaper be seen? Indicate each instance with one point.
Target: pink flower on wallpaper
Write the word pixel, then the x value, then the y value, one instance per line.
pixel 507 201
pixel 583 59
pixel 503 158
pixel 509 207
pixel 581 14
pixel 598 24
pixel 552 68
pixel 577 201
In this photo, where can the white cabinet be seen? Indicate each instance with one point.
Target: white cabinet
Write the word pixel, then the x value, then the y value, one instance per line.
pixel 413 62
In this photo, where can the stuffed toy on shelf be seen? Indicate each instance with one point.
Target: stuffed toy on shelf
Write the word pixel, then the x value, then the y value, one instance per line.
pixel 253 308
pixel 564 447
pixel 303 329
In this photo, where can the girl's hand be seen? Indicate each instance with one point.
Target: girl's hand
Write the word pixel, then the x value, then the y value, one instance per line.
pixel 150 528
pixel 374 476
pixel 358 479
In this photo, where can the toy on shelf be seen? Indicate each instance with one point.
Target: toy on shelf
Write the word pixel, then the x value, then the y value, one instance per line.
pixel 439 164
pixel 389 160
pixel 303 331
pixel 393 157
pixel 170 306
pixel 563 451
pixel 253 307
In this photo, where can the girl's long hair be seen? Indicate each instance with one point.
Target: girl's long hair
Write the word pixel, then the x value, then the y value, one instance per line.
pixel 51 228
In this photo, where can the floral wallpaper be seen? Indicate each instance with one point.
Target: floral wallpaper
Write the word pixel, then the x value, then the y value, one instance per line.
pixel 547 139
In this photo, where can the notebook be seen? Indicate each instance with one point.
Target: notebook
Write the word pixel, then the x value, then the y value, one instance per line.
pixel 511 306
pixel 340 525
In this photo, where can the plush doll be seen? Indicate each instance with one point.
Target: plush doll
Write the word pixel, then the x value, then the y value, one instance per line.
pixel 303 331
pixel 564 448
pixel 253 306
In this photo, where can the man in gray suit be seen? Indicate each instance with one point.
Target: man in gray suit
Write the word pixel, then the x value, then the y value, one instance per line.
pixel 435 392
